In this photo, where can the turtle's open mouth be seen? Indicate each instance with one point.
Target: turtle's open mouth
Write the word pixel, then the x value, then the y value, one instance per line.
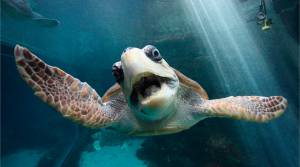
pixel 148 85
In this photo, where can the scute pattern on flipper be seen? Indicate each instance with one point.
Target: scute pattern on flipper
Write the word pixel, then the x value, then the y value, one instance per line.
pixel 74 99
pixel 251 108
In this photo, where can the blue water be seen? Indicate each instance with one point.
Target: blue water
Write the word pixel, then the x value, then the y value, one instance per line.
pixel 216 43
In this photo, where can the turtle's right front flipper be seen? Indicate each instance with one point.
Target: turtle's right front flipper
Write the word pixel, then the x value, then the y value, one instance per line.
pixel 250 108
pixel 74 99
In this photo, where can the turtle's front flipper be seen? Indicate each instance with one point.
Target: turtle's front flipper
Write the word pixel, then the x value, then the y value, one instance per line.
pixel 74 99
pixel 250 108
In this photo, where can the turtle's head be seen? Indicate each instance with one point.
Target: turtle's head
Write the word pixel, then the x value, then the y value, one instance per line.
pixel 148 82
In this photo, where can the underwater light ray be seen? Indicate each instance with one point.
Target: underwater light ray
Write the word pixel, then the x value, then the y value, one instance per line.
pixel 208 41
pixel 229 36
pixel 214 33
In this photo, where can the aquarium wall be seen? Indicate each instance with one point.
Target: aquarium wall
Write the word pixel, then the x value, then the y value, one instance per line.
pixel 218 44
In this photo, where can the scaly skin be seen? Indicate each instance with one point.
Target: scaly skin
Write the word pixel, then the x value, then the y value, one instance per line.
pixel 74 99
pixel 250 108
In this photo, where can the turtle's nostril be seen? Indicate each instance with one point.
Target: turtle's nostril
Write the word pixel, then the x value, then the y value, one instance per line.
pixel 125 50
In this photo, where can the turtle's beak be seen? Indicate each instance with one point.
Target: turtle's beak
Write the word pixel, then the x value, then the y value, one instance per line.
pixel 137 65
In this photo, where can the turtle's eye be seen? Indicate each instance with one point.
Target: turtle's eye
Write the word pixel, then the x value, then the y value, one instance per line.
pixel 152 53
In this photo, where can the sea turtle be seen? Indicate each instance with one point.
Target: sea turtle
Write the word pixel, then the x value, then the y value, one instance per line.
pixel 149 98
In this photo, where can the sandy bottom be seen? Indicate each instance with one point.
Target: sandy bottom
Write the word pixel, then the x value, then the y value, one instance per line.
pixel 24 158
pixel 108 156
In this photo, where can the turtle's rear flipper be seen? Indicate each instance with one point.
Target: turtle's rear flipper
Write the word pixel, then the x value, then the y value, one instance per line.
pixel 74 99
pixel 250 108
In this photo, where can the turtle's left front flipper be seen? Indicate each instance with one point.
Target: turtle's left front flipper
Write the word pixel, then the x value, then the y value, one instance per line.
pixel 72 98
pixel 250 108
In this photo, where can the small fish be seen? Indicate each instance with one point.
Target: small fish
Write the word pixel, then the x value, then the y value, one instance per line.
pixel 24 8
